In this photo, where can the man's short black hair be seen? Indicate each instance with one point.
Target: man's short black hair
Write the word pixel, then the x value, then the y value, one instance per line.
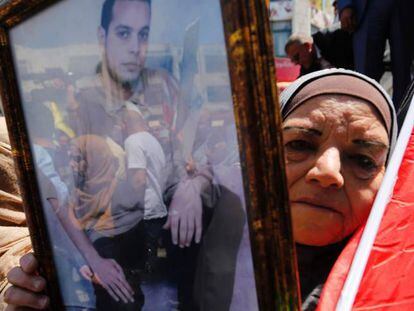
pixel 298 38
pixel 107 9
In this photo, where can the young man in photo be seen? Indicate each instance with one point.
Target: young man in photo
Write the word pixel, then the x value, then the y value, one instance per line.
pixel 122 77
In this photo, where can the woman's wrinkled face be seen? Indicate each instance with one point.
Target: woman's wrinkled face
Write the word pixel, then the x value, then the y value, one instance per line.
pixel 335 147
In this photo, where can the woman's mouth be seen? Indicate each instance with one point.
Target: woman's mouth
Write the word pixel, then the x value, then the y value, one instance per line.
pixel 317 204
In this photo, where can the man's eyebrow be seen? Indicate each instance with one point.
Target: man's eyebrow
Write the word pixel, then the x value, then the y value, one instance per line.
pixel 123 27
pixel 306 130
pixel 370 143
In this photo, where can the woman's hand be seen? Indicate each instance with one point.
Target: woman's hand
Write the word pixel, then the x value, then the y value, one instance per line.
pixel 27 286
pixel 109 274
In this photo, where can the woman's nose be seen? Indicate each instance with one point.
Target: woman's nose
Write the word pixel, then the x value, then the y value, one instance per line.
pixel 327 169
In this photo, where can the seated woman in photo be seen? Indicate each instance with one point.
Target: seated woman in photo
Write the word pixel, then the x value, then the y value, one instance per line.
pixel 109 211
pixel 339 129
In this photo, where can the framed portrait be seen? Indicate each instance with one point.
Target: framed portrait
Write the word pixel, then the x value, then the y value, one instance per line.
pixel 147 139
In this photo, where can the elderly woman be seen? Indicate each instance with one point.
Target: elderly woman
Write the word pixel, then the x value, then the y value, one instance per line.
pixel 338 129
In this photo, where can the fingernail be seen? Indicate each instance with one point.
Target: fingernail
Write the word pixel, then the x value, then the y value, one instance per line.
pixel 38 284
pixel 26 260
pixel 44 302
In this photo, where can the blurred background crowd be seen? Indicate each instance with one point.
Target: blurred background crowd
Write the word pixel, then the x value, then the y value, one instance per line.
pixel 371 37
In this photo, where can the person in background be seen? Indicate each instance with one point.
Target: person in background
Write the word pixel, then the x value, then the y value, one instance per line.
pixel 372 23
pixel 325 49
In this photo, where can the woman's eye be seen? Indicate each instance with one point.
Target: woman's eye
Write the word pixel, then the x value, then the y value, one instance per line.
pixel 299 145
pixel 364 162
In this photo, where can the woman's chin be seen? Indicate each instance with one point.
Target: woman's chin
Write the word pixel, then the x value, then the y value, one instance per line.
pixel 313 240
pixel 316 227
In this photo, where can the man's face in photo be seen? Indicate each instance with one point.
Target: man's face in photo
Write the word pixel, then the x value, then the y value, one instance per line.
pixel 126 40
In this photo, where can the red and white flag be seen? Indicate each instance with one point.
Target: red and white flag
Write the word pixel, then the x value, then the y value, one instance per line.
pixel 375 271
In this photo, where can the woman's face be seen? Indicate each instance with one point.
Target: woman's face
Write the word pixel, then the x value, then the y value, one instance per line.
pixel 78 165
pixel 336 147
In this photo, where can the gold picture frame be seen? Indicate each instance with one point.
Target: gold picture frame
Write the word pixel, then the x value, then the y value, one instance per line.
pixel 256 111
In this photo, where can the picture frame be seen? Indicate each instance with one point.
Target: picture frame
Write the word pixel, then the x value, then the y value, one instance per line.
pixel 249 70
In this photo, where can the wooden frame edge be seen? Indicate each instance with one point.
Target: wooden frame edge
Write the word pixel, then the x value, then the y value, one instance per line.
pixel 255 99
pixel 24 164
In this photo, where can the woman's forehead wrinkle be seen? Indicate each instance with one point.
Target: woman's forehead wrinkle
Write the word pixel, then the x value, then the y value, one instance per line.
pixel 337 114
pixel 328 117
pixel 372 134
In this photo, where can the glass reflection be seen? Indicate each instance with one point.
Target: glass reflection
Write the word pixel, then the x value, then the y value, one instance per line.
pixel 137 156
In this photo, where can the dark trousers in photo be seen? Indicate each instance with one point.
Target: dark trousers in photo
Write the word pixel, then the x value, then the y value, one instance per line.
pixel 128 250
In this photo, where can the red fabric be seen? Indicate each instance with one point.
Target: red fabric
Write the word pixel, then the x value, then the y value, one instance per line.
pixel 286 71
pixel 337 277
pixel 389 275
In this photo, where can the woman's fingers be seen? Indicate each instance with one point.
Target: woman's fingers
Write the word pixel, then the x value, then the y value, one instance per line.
pixel 26 286
pixel 17 308
pixel 29 263
pixel 18 277
pixel 24 298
